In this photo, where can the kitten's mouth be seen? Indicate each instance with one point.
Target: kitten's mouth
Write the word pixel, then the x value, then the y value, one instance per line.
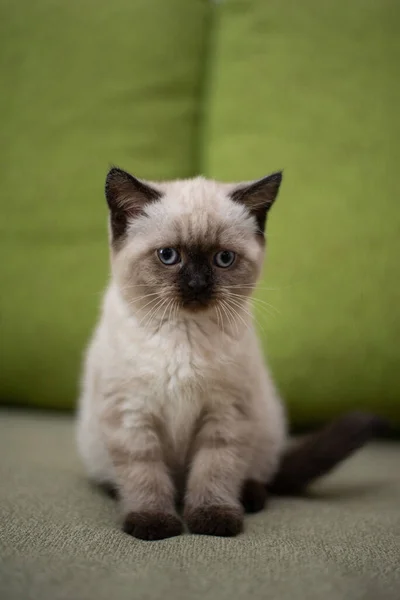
pixel 196 304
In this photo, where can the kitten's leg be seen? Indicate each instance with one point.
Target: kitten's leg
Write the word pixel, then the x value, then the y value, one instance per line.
pixel 254 496
pixel 218 470
pixel 269 436
pixel 145 488
pixel 110 490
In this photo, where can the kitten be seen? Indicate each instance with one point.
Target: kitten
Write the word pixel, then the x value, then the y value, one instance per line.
pixel 177 404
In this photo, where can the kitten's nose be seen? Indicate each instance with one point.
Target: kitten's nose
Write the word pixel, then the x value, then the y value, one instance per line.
pixel 197 283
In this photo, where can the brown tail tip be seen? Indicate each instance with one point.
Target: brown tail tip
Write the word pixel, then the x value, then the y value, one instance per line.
pixel 320 452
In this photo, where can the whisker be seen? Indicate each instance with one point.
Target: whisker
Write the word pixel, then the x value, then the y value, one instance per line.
pixel 166 308
pixel 151 301
pixel 263 312
pixel 238 315
pixel 230 315
pixel 262 302
pixel 149 313
pixel 178 306
pixel 218 323
pixel 172 308
pixel 220 318
pixel 253 299
pixel 250 314
pixel 228 318
pixel 129 286
pixel 142 297
pixel 160 301
pixel 241 306
pixel 172 316
pixel 156 312
pixel 251 286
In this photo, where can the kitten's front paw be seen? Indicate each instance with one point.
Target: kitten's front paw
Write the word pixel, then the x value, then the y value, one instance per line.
pixel 152 526
pixel 226 521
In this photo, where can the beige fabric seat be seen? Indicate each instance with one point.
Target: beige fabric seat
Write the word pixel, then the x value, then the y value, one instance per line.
pixel 60 538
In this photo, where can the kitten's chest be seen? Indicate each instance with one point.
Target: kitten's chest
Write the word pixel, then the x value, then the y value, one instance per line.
pixel 184 389
pixel 176 358
pixel 170 381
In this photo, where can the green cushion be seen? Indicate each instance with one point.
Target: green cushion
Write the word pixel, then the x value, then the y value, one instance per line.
pixel 61 538
pixel 313 87
pixel 83 84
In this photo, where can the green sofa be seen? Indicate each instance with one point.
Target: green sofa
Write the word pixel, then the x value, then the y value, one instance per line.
pixel 233 89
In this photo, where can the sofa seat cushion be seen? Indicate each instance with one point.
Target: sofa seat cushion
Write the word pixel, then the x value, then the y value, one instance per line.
pixel 61 539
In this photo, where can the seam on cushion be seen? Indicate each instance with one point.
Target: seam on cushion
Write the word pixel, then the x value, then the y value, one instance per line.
pixel 205 76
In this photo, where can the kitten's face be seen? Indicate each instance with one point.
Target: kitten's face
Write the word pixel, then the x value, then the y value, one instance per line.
pixel 192 245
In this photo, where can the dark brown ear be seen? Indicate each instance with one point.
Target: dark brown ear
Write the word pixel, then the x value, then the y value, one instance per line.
pixel 259 196
pixel 126 197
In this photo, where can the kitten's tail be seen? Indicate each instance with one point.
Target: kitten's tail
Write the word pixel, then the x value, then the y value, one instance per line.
pixel 318 453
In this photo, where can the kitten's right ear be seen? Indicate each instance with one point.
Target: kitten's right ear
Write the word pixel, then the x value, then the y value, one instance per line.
pixel 258 196
pixel 126 197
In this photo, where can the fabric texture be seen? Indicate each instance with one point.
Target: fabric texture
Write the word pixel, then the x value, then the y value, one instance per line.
pixel 312 87
pixel 61 539
pixel 83 85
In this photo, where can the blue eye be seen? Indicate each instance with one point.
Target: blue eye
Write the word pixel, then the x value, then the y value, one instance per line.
pixel 224 259
pixel 168 256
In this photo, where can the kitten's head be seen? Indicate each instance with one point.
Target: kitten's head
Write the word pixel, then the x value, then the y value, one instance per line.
pixel 191 245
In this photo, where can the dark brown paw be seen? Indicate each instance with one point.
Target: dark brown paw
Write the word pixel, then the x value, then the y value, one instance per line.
pixel 254 496
pixel 152 526
pixel 226 521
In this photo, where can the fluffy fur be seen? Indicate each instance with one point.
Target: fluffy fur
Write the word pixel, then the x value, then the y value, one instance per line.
pixel 177 404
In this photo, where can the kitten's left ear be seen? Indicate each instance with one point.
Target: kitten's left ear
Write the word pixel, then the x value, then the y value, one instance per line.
pixel 258 196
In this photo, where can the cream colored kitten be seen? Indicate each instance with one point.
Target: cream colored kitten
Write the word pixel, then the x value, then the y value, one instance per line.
pixel 177 404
